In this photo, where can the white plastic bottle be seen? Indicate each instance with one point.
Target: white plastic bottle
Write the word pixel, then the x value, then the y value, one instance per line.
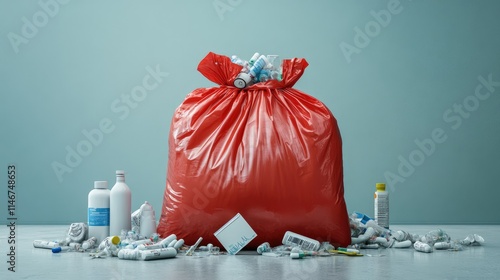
pixel 109 246
pixel 381 206
pixel 148 220
pixel 98 211
pixel 120 205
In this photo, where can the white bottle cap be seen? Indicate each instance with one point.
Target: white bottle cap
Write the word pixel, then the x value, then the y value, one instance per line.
pixel 254 58
pixel 85 245
pixel 120 172
pixel 242 80
pixel 100 184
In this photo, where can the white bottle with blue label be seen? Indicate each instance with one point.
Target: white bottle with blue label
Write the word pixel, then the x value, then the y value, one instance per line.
pixel 98 211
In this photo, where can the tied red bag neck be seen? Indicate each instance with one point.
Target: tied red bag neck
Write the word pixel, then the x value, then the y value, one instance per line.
pixel 220 70
pixel 269 152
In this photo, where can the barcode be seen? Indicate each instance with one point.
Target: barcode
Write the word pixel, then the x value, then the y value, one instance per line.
pixel 301 242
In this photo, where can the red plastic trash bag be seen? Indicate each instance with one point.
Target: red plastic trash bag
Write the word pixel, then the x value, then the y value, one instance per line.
pixel 269 152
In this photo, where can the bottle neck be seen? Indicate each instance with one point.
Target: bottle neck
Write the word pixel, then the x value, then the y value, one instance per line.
pixel 120 179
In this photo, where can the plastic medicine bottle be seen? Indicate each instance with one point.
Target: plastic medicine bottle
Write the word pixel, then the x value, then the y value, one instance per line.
pixel 381 206
pixel 98 211
pixel 120 206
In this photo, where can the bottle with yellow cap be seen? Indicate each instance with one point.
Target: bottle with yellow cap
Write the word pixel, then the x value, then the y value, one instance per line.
pixel 109 246
pixel 381 206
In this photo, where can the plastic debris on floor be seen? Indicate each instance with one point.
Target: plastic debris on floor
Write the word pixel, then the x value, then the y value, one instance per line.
pixel 366 234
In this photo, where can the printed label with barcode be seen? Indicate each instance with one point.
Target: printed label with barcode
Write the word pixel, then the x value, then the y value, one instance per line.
pixel 300 242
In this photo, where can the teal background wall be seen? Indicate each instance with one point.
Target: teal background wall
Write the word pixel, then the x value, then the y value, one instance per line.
pixel 403 78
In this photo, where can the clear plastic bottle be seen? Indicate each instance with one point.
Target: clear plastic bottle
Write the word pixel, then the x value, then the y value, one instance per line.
pixel 98 211
pixel 273 62
pixel 433 236
pixel 236 60
pixel 120 206
pixel 381 206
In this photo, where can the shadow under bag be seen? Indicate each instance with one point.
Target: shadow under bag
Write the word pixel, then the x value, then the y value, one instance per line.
pixel 269 152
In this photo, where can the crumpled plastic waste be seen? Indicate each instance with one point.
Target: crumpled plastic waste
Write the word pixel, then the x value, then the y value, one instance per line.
pixel 294 251
pixel 367 234
pixel 472 240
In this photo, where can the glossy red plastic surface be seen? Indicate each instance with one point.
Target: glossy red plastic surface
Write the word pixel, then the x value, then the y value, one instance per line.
pixel 269 152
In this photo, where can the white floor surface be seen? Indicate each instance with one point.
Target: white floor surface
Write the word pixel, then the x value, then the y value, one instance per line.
pixel 477 262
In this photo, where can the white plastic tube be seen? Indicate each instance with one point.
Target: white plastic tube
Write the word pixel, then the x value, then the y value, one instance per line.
pixel 442 245
pixel 45 244
pixel 163 253
pixel 89 243
pixel 129 254
pixel 178 244
pixel 384 242
pixel 402 244
pixel 422 247
pixel 369 246
pixel 134 244
pixel 363 237
pixel 150 246
pixel 168 240
pixel 380 230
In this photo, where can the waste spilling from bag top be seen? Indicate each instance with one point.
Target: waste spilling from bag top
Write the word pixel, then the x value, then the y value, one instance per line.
pixel 259 68
pixel 267 151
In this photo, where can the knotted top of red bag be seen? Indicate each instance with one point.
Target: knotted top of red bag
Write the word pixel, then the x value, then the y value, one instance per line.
pixel 220 70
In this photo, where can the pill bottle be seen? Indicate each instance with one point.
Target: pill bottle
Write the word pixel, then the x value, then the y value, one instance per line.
pixel 381 206
pixel 98 211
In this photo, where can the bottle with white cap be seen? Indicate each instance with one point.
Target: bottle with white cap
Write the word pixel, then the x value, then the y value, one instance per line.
pixel 120 203
pixel 148 220
pixel 98 211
